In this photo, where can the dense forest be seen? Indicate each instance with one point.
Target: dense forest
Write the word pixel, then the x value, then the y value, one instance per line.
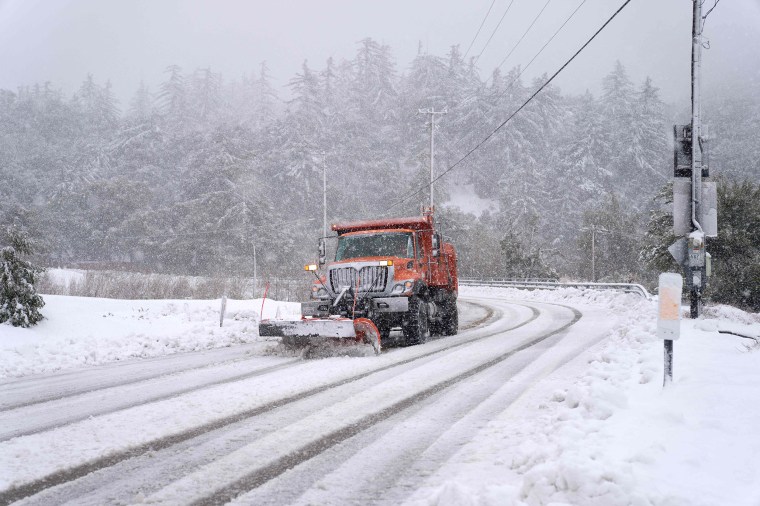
pixel 189 177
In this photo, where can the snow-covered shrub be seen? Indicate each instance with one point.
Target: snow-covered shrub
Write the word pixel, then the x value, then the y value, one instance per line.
pixel 19 302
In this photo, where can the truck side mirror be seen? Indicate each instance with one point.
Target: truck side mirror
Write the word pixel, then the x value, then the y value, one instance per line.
pixel 322 252
pixel 436 246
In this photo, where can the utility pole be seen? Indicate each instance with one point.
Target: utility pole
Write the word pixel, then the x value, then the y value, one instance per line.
pixel 594 229
pixel 697 251
pixel 432 112
pixel 695 215
pixel 324 194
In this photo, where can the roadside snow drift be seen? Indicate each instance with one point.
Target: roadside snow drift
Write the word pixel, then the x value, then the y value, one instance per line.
pixel 80 331
pixel 602 431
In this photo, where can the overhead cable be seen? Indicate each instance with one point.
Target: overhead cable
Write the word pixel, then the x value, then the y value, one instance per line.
pixel 524 68
pixel 524 34
pixel 495 29
pixel 478 32
pixel 517 111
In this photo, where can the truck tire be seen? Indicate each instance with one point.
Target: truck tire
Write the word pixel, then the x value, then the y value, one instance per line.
pixel 384 327
pixel 435 326
pixel 416 325
pixel 450 319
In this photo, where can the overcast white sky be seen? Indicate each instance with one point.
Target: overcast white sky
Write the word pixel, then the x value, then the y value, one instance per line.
pixel 129 40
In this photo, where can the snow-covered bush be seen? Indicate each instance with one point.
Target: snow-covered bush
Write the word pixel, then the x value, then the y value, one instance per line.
pixel 19 302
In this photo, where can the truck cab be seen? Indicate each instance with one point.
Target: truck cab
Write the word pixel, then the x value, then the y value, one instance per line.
pixel 397 272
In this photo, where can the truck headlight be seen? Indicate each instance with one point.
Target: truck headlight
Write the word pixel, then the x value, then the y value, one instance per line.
pixel 403 287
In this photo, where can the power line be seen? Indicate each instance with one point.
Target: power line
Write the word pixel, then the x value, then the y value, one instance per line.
pixel 495 29
pixel 517 111
pixel 524 34
pixel 478 32
pixel 550 39
pixel 522 71
pixel 525 68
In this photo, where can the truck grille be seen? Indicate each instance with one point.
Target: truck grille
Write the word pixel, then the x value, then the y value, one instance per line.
pixel 372 278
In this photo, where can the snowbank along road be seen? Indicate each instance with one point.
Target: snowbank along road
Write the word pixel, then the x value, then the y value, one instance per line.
pixel 224 425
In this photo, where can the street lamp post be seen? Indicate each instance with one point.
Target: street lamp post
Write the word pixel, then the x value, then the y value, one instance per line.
pixel 594 229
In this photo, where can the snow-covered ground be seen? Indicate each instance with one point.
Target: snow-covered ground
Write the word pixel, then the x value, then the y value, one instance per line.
pixel 80 331
pixel 603 431
pixel 599 430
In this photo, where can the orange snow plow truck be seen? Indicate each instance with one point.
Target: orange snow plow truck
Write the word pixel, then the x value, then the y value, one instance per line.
pixel 388 273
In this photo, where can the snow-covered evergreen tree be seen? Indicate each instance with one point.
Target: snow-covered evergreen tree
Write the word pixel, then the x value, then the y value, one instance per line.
pixel 172 97
pixel 265 108
pixel 615 243
pixel 653 252
pixel 20 303
pixel 736 250
pixel 731 112
pixel 524 259
pixel 374 89
pixel 617 96
pixel 649 147
pixel 617 109
pixel 584 160
pixel 99 108
pixel 141 106
pixel 205 96
pixel 108 187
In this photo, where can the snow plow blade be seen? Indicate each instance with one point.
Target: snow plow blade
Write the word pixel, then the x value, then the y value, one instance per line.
pixel 323 331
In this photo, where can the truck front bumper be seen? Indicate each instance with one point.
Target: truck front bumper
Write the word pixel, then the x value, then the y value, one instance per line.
pixel 321 308
pixel 391 304
pixel 317 308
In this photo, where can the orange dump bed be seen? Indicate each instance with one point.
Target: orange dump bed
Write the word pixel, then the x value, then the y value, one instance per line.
pixel 415 223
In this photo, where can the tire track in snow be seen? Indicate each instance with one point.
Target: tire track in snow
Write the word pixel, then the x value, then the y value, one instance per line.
pixel 24 392
pixel 14 422
pixel 281 464
pixel 147 473
pixel 33 390
pixel 77 471
pixel 21 426
pixel 402 450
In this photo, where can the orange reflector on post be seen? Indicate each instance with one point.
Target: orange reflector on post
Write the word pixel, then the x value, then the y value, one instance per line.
pixel 669 316
pixel 310 267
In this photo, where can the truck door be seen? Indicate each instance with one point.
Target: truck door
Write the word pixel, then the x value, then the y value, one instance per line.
pixel 421 266
pixel 438 272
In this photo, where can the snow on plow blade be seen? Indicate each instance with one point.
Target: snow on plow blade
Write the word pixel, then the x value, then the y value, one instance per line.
pixel 321 331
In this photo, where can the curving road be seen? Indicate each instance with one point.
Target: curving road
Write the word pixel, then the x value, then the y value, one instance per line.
pixel 223 425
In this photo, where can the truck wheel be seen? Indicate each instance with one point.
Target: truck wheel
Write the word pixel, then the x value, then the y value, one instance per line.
pixel 436 325
pixel 385 329
pixel 450 320
pixel 416 326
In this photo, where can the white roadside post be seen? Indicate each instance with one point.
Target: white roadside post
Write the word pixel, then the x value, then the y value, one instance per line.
pixel 222 310
pixel 669 317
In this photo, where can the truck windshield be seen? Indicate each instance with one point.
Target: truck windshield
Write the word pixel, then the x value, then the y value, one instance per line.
pixel 397 244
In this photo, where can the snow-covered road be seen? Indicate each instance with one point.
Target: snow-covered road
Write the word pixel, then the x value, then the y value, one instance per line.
pixel 216 425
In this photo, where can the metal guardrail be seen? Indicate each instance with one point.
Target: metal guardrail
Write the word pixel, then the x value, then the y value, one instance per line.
pixel 554 285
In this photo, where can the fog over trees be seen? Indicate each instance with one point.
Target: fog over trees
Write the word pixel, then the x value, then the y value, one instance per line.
pixel 188 177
